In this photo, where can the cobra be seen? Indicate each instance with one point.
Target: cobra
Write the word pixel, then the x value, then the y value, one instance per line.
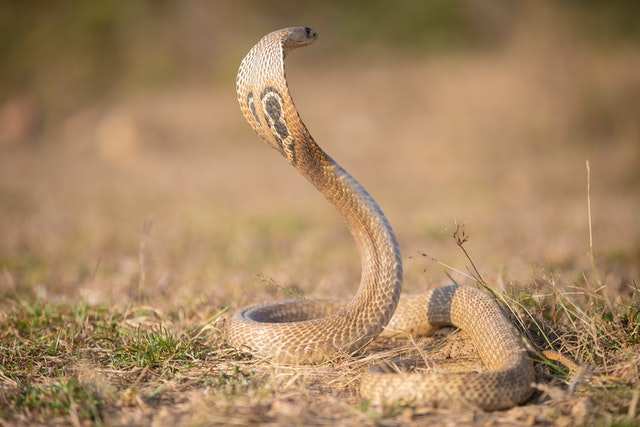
pixel 314 331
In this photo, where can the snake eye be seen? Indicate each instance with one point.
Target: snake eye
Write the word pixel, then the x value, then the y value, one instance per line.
pixel 295 37
pixel 309 32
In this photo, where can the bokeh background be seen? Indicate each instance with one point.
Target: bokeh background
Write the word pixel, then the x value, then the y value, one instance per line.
pixel 127 172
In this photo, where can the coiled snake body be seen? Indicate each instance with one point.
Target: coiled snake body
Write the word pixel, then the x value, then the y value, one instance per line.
pixel 308 331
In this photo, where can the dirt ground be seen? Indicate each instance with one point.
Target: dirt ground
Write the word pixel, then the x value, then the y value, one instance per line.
pixel 160 214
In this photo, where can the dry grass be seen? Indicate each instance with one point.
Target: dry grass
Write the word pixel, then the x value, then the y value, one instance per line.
pixel 130 236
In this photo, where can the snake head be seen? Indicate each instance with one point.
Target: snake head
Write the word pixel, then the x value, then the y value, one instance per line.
pixel 295 37
pixel 264 96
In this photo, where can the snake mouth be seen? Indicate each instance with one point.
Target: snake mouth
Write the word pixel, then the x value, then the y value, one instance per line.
pixel 299 36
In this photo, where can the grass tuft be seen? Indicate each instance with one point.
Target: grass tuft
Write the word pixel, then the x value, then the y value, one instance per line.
pixel 60 398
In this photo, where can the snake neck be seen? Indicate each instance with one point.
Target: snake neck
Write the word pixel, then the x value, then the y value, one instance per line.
pixel 269 109
pixel 377 244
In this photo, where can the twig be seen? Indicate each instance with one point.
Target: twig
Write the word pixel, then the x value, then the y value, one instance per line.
pixel 633 405
pixel 461 237
pixel 592 257
pixel 96 269
pixel 449 267
pixel 503 299
pixel 146 232
pixel 212 320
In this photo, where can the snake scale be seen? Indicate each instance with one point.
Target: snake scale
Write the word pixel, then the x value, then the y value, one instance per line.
pixel 313 331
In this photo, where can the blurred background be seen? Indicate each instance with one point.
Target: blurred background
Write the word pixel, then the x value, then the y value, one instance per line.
pixel 127 172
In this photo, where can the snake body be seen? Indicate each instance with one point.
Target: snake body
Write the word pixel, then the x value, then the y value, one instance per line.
pixel 310 331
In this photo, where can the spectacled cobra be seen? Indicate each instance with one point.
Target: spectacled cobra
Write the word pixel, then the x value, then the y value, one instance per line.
pixel 313 331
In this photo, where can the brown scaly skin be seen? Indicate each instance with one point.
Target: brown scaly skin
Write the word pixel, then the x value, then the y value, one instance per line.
pixel 299 332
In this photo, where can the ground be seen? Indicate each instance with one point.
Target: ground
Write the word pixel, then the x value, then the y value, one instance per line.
pixel 132 232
